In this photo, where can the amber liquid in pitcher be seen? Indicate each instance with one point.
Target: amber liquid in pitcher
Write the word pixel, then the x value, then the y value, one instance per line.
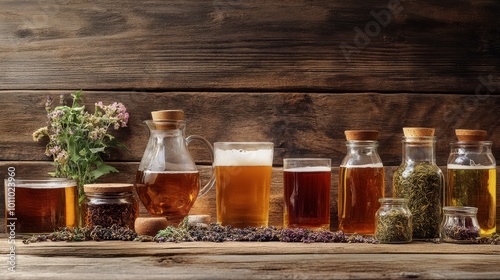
pixel 168 193
pixel 476 187
pixel 360 189
pixel 41 210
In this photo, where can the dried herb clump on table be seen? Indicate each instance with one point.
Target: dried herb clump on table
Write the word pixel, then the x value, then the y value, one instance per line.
pixel 215 233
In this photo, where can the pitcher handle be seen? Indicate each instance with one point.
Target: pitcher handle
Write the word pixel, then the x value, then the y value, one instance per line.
pixel 210 183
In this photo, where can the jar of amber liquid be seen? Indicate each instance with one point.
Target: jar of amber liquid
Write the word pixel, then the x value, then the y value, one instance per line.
pixel 472 177
pixel 109 204
pixel 459 224
pixel 361 183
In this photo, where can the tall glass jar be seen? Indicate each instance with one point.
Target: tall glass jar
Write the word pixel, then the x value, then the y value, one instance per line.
pixel 361 183
pixel 420 180
pixel 471 177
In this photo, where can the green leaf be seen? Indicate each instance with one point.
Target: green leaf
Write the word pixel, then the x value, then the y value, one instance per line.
pixel 97 150
pixel 83 152
pixel 103 169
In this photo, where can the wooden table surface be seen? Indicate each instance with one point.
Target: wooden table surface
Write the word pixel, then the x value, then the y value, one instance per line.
pixel 248 260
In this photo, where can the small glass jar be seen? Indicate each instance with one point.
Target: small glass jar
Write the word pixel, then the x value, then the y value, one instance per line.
pixel 108 204
pixel 460 224
pixel 393 221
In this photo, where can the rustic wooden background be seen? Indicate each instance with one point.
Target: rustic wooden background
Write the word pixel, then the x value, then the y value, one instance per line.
pixel 297 73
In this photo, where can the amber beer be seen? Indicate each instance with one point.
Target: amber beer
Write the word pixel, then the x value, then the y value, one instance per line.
pixel 307 197
pixel 43 206
pixel 358 201
pixel 243 182
pixel 168 194
pixel 474 186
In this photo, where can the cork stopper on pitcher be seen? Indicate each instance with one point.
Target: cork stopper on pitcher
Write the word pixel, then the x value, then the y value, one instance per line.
pixel 361 135
pixel 163 118
pixel 470 135
pixel 418 131
pixel 168 115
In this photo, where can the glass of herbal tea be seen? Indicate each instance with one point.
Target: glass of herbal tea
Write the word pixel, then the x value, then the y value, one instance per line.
pixel 306 189
pixel 41 205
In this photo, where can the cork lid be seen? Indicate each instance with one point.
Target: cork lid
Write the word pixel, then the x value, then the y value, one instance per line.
pixel 168 115
pixel 163 119
pixel 418 131
pixel 469 135
pixel 150 225
pixel 361 134
pixel 108 188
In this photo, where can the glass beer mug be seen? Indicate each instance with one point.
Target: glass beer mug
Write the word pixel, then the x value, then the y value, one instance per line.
pixel 167 181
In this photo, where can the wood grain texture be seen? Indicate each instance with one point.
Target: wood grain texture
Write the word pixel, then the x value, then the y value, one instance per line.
pixel 299 124
pixel 293 45
pixel 206 204
pixel 251 260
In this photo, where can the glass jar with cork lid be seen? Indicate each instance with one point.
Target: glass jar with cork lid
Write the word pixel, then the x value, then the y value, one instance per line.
pixel 361 182
pixel 109 204
pixel 471 177
pixel 421 181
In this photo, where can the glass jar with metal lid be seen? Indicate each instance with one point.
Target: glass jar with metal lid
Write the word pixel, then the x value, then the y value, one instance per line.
pixel 459 224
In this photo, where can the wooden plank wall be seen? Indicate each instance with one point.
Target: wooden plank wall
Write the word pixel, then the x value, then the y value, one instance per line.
pixel 297 73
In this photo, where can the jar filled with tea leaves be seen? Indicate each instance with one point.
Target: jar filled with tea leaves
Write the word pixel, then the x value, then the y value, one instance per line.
pixel 420 180
pixel 472 177
pixel 393 221
pixel 460 224
pixel 109 204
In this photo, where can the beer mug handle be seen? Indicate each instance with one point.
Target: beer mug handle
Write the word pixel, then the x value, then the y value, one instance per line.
pixel 210 183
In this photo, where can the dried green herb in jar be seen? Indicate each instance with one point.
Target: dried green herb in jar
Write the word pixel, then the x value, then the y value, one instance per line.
pixel 420 180
pixel 421 184
pixel 393 221
pixel 109 204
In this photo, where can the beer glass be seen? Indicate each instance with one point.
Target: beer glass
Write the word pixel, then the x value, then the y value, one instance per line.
pixel 41 206
pixel 243 182
pixel 306 186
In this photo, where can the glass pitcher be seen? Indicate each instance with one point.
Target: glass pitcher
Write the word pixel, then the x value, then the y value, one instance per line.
pixel 167 181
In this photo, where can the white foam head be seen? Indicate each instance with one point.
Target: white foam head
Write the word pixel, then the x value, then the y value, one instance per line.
pixel 309 169
pixel 475 167
pixel 239 157
pixel 372 165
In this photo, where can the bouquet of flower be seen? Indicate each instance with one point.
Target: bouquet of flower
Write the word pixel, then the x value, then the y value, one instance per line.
pixel 79 139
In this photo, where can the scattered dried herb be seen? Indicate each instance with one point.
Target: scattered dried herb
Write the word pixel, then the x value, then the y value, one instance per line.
pixel 97 233
pixel 494 239
pixel 421 183
pixel 217 233
pixel 460 232
pixel 106 215
pixel 394 227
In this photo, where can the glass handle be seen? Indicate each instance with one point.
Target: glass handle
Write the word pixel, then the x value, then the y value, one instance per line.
pixel 210 183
